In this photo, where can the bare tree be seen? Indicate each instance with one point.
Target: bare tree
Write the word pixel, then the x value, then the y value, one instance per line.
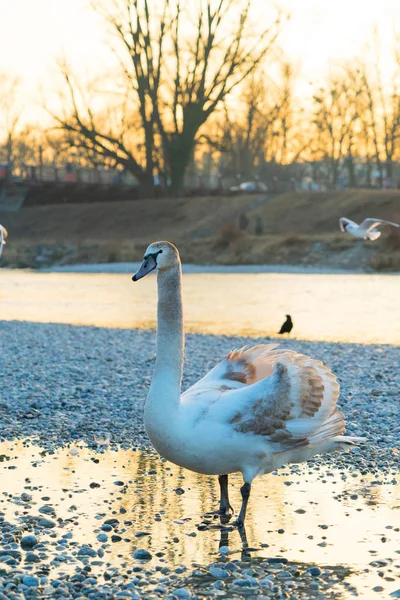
pixel 263 132
pixel 381 117
pixel 336 111
pixel 177 71
pixel 10 114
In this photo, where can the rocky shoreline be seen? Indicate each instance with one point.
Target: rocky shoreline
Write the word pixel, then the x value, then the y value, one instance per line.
pixel 66 388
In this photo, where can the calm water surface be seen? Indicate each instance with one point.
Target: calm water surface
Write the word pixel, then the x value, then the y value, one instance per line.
pixel 350 308
pixel 322 516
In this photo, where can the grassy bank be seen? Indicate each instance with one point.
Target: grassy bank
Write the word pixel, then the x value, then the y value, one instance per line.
pixel 296 228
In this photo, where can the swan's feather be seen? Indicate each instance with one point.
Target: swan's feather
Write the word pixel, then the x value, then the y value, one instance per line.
pixel 279 394
pixel 3 235
pixel 369 224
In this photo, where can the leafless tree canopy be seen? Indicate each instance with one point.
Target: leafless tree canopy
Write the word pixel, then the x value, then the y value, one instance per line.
pixel 179 61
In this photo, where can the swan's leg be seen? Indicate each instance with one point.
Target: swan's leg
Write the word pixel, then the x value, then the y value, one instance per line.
pixel 245 491
pixel 224 505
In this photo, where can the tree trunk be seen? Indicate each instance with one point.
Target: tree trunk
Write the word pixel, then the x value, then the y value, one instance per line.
pixel 180 154
pixel 389 168
pixel 369 173
pixel 350 170
pixel 334 171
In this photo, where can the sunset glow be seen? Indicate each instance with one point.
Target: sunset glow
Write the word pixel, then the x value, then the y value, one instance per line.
pixel 35 34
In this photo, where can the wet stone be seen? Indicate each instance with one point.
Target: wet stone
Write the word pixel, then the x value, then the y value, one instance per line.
pixel 28 541
pixel 32 557
pixel 46 523
pixel 30 581
pixel 87 551
pixel 47 510
pixel 142 554
pixel 218 573
pixel 314 571
pixel 182 593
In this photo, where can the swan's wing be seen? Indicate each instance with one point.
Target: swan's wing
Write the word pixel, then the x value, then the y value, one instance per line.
pixel 369 224
pixel 279 394
pixel 288 406
pixel 3 235
pixel 343 221
pixel 239 368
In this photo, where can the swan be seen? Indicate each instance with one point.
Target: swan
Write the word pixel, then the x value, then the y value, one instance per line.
pixel 366 230
pixel 257 409
pixel 3 235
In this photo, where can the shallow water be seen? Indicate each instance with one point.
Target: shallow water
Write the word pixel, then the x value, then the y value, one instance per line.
pixel 336 307
pixel 310 515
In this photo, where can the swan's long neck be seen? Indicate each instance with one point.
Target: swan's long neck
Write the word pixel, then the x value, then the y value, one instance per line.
pixel 170 340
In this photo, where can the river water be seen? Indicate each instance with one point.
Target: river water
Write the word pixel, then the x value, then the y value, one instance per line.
pixel 309 515
pixel 332 307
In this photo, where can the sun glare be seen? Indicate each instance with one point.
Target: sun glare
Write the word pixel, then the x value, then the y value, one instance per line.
pixel 36 34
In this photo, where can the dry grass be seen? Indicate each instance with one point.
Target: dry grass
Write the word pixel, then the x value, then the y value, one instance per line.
pixel 228 235
pixel 297 227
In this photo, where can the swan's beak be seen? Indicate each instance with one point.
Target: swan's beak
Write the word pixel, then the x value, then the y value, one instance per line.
pixel 148 265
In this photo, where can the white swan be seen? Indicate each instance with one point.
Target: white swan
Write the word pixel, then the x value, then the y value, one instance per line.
pixel 366 230
pixel 3 235
pixel 258 409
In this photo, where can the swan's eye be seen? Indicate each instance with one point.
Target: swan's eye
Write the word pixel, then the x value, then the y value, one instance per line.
pixel 160 251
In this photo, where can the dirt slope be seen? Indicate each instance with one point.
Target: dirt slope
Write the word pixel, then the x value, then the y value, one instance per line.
pixel 297 227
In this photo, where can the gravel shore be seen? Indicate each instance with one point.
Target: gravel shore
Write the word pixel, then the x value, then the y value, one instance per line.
pixel 63 385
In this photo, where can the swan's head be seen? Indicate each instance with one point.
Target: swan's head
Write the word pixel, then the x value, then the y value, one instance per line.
pixel 160 256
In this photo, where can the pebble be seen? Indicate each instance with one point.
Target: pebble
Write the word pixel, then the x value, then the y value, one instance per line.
pixel 182 593
pixel 314 571
pixel 87 551
pixel 30 581
pixel 142 555
pixel 28 541
pixel 32 557
pixel 218 573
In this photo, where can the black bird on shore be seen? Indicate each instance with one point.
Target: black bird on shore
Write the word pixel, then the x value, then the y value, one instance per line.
pixel 287 326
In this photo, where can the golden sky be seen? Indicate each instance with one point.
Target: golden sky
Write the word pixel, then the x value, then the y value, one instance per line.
pixel 33 33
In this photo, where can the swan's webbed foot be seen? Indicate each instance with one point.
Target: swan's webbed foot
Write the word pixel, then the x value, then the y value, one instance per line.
pixel 224 514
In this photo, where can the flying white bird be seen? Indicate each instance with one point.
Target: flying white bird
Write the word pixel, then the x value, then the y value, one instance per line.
pixel 366 230
pixel 3 235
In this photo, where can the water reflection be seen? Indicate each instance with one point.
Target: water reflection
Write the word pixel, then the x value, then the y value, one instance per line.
pixel 356 308
pixel 305 516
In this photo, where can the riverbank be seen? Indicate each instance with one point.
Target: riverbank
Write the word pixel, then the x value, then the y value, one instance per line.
pixel 62 383
pixel 92 511
pixel 283 229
